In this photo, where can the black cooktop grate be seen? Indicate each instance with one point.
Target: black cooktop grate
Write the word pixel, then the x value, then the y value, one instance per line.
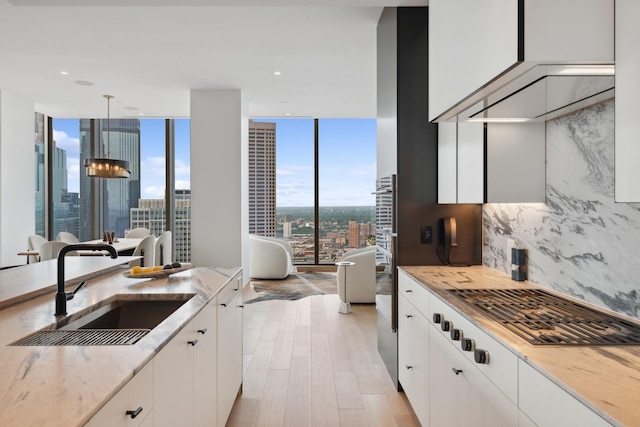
pixel 542 318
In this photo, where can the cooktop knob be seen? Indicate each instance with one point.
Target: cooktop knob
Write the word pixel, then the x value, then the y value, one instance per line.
pixel 437 317
pixel 446 325
pixel 468 344
pixel 456 334
pixel 481 356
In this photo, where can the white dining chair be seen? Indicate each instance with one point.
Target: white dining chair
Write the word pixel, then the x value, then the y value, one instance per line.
pixel 163 249
pixel 146 249
pixel 65 236
pixel 50 250
pixel 33 244
pixel 137 233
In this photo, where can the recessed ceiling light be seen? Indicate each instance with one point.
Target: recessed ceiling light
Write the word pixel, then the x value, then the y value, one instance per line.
pixel 287 114
pixel 141 114
pixel 277 73
pixel 130 108
pixel 83 83
pixel 64 73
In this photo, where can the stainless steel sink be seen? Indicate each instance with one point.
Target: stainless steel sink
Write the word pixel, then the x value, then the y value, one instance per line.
pixel 121 320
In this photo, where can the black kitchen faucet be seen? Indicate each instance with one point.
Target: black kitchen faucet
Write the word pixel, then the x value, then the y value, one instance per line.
pixel 61 296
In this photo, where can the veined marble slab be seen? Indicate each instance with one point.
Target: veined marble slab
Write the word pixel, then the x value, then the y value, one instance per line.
pixel 31 280
pixel 579 242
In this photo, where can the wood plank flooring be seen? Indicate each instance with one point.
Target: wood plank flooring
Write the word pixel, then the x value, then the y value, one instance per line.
pixel 305 364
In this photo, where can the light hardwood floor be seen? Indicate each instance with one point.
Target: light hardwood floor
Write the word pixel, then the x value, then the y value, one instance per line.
pixel 305 364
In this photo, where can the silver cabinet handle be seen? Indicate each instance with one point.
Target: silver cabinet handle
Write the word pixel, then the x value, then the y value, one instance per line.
pixel 231 298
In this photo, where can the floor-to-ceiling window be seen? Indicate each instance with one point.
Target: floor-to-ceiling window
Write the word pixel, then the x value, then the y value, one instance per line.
pixel 347 175
pixel 88 206
pixel 324 176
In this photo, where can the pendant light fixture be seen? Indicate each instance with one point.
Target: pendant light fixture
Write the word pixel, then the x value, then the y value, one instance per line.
pixel 107 168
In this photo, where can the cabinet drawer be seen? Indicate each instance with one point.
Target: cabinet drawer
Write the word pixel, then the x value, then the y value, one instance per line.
pixel 413 328
pixel 137 393
pixel 415 292
pixel 538 394
pixel 413 375
pixel 460 394
pixel 502 366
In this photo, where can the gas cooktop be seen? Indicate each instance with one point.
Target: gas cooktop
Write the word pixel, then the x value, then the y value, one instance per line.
pixel 542 318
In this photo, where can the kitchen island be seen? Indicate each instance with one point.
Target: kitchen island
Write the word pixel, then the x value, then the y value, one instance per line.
pixel 67 385
pixel 605 379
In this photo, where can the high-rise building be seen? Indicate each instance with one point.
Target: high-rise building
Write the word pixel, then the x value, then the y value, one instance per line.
pixel 119 139
pixel 286 229
pixel 262 178
pixel 66 212
pixel 354 234
pixel 152 214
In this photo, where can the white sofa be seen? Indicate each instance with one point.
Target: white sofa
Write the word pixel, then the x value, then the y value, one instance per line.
pixel 361 277
pixel 270 258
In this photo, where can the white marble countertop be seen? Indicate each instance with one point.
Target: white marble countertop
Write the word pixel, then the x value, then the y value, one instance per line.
pixel 605 378
pixel 28 281
pixel 66 385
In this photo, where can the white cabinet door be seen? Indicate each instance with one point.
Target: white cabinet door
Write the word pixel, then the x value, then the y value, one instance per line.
pixel 461 163
pixel 229 347
pixel 460 395
pixel 447 163
pixel 173 381
pixel 132 405
pixel 546 404
pixel 206 366
pixel 471 163
pixel 516 163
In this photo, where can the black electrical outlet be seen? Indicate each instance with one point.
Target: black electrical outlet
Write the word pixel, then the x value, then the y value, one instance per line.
pixel 426 234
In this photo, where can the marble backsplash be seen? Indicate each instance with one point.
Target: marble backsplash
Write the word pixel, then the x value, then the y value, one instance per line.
pixel 579 242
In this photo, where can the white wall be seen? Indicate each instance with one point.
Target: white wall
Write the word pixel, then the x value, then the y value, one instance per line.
pixel 218 135
pixel 17 186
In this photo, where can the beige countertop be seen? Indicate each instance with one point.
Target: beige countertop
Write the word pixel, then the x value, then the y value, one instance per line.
pixel 66 385
pixel 31 280
pixel 605 378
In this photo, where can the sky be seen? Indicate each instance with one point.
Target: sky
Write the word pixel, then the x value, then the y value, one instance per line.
pixel 347 159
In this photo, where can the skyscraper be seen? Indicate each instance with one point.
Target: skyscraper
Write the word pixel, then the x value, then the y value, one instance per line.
pixel 354 234
pixel 262 178
pixel 119 140
pixel 152 214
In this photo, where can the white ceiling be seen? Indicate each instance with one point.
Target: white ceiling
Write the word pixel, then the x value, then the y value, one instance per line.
pixel 150 56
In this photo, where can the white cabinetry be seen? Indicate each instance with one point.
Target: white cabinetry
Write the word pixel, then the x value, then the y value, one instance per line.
pixel 627 103
pixel 132 405
pixel 186 374
pixel 477 46
pixel 229 347
pixel 546 404
pixel 460 163
pixel 205 358
pixel 516 162
pixel 413 353
pixel 514 168
pixel 460 394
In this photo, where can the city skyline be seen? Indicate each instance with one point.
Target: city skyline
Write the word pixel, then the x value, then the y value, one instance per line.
pixel 347 159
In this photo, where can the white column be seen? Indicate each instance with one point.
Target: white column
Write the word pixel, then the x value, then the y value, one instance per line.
pixel 218 187
pixel 17 176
